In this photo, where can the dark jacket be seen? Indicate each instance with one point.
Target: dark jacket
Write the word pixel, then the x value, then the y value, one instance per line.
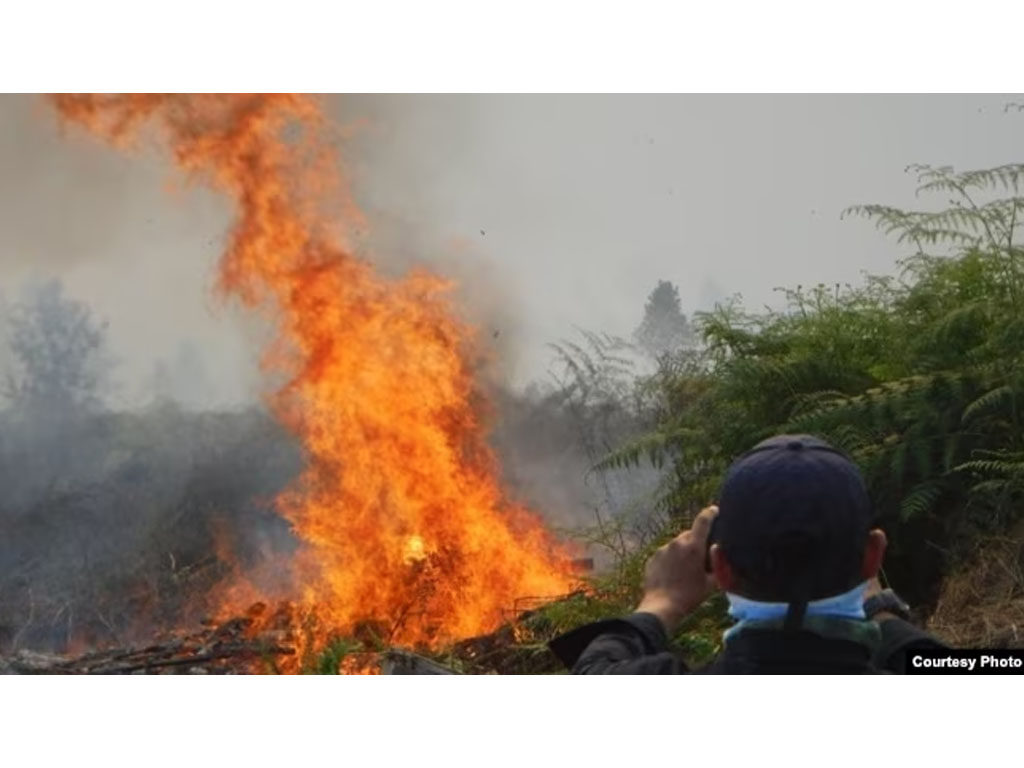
pixel 637 645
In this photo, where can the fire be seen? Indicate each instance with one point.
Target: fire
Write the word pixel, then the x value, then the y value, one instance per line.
pixel 399 508
pixel 414 550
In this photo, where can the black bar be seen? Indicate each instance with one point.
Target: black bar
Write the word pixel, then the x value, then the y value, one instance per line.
pixel 994 661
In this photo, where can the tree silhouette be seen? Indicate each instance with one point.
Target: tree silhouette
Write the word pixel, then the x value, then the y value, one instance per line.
pixel 664 327
pixel 58 353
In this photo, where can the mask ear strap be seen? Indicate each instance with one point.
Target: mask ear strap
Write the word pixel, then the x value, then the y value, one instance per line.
pixel 795 616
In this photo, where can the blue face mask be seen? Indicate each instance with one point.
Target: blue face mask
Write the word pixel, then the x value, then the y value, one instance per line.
pixel 849 605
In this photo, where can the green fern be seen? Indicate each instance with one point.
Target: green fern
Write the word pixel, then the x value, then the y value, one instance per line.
pixel 987 403
pixel 914 376
pixel 920 500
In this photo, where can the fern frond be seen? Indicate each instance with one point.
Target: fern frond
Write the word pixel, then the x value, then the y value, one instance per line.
pixel 1006 469
pixel 987 403
pixel 920 500
pixel 655 446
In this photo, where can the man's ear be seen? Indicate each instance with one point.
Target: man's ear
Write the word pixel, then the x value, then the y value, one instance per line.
pixel 874 553
pixel 724 574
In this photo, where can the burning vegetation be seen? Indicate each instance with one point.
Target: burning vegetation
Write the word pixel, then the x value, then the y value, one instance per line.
pixel 362 510
pixel 403 528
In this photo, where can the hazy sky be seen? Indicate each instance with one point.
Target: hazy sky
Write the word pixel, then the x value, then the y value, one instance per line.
pixel 554 211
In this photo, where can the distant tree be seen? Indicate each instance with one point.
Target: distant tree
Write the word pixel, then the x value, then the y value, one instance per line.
pixel 920 378
pixel 58 356
pixel 664 327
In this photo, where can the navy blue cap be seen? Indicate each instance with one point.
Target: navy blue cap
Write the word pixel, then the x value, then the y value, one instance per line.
pixel 793 518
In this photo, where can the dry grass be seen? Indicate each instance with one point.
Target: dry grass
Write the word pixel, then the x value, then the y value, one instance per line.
pixel 982 605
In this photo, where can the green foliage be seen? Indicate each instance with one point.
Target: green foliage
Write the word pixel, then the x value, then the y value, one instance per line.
pixel 700 636
pixel 328 661
pixel 916 376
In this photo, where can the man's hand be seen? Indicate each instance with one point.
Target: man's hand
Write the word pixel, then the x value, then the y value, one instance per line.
pixel 675 581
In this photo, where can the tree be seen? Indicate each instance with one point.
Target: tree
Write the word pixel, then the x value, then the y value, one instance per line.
pixel 59 356
pixel 664 327
pixel 918 377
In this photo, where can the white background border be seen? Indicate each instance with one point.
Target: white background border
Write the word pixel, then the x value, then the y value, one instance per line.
pixel 524 46
pixel 529 45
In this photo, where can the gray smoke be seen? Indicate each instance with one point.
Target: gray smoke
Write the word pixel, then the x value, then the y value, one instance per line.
pixel 549 212
pixel 135 456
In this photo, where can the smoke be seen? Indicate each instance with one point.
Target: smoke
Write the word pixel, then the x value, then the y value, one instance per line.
pixel 406 160
pixel 111 519
pixel 426 172
pixel 110 228
pixel 115 513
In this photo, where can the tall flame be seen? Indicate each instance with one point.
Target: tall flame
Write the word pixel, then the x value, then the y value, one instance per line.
pixel 399 506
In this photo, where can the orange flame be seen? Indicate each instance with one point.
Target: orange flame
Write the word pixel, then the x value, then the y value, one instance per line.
pixel 403 520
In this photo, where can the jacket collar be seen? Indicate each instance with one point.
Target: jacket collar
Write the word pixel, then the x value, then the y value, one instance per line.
pixel 837 643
